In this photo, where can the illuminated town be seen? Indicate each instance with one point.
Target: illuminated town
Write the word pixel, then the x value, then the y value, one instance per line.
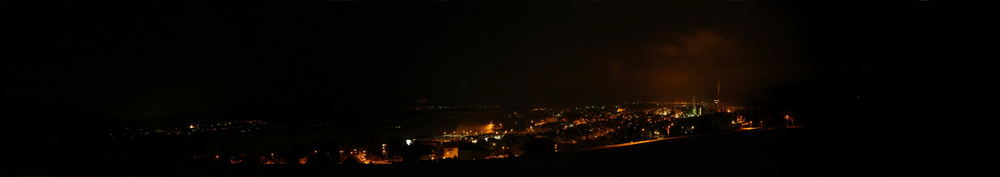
pixel 607 88
pixel 531 131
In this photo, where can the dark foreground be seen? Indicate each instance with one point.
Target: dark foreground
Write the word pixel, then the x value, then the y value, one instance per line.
pixel 781 152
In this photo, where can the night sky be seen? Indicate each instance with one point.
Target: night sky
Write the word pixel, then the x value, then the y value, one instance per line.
pixel 136 60
pixel 897 86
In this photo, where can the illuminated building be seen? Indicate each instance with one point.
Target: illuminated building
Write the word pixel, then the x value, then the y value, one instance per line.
pixel 450 153
pixel 489 128
pixel 468 152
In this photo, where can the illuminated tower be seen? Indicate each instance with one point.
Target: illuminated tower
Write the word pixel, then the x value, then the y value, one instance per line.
pixel 695 111
pixel 694 98
pixel 718 88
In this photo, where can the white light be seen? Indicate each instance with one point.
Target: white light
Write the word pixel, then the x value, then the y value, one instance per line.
pixel 409 142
